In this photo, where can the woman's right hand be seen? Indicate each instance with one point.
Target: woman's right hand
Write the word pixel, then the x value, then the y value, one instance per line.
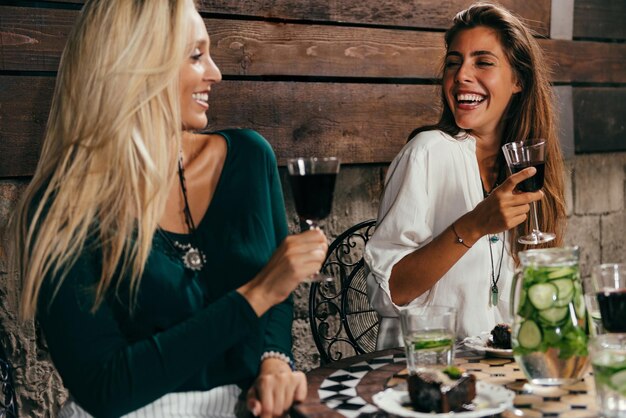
pixel 504 208
pixel 298 257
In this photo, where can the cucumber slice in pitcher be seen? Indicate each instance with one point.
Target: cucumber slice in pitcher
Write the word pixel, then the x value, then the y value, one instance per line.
pixel 561 272
pixel 543 295
pixel 554 315
pixel 565 291
pixel 529 335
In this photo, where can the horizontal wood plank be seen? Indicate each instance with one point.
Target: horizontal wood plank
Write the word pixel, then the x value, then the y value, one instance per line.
pixel 33 40
pixel 602 19
pixel 360 123
pixel 600 119
pixel 24 106
pixel 586 62
pixel 257 48
pixel 433 14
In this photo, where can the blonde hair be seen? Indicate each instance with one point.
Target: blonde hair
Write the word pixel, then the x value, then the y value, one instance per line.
pixel 531 111
pixel 110 146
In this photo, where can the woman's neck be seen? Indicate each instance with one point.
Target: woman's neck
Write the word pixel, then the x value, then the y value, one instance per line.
pixel 487 153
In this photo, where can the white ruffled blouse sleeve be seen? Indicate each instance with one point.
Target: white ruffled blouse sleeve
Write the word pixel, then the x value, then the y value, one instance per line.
pixel 404 223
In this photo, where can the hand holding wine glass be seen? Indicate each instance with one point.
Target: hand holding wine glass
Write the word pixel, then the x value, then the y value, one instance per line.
pixel 521 155
pixel 313 185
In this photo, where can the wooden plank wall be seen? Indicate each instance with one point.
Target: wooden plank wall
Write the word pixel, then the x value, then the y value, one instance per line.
pixel 324 77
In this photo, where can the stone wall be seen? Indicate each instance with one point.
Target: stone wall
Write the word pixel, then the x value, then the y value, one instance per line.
pixel 596 202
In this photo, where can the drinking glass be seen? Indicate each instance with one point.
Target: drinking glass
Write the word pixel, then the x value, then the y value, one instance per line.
pixel 608 358
pixel 593 309
pixel 429 333
pixel 313 185
pixel 521 155
pixel 608 282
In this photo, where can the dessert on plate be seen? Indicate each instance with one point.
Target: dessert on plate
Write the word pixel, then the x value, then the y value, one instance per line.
pixel 501 337
pixel 447 390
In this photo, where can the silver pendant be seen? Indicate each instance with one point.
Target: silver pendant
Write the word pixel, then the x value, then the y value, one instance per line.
pixel 194 259
pixel 494 295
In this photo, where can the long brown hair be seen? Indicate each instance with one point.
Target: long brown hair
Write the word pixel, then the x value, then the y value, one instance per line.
pixel 109 148
pixel 531 111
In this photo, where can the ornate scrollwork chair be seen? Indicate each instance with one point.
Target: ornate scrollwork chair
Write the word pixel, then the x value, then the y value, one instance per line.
pixel 8 403
pixel 342 321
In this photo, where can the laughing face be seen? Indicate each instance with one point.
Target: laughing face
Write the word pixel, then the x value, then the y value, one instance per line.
pixel 197 75
pixel 478 81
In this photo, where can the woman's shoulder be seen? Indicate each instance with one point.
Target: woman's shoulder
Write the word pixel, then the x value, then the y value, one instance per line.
pixel 435 138
pixel 246 139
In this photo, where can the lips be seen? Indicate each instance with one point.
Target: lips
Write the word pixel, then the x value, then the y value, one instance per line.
pixel 468 101
pixel 202 98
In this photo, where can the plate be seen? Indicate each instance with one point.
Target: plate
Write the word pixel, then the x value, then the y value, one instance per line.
pixel 490 400
pixel 480 343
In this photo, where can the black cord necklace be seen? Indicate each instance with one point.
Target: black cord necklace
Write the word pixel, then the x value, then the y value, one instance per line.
pixel 193 258
pixel 492 240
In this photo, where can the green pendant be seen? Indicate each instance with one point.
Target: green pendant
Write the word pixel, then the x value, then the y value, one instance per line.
pixel 494 295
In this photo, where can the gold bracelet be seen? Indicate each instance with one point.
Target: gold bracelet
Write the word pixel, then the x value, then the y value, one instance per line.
pixel 459 240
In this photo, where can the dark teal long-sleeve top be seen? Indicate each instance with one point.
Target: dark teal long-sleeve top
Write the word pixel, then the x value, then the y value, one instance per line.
pixel 188 331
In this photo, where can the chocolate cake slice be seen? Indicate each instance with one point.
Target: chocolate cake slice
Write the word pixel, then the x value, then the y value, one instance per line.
pixel 501 336
pixel 436 391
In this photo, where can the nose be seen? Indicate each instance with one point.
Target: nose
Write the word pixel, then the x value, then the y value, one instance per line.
pixel 463 73
pixel 211 72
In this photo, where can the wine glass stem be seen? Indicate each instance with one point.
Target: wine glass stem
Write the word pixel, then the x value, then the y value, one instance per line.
pixel 310 225
pixel 535 221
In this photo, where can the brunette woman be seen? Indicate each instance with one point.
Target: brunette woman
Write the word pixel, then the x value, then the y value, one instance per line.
pixel 450 217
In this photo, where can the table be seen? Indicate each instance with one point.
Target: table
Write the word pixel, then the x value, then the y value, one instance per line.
pixel 345 388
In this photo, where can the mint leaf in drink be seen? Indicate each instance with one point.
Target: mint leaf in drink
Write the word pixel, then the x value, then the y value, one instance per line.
pixel 436 343
pixel 453 372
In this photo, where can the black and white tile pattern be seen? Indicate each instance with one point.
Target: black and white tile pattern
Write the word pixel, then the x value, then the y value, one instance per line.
pixel 338 390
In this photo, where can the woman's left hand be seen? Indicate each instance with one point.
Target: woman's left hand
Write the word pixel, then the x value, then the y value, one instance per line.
pixel 275 389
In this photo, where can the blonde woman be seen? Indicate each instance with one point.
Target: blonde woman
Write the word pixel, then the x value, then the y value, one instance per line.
pixel 156 260
pixel 449 218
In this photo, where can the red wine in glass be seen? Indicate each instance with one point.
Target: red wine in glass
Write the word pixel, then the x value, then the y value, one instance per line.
pixel 521 155
pixel 534 183
pixel 612 305
pixel 313 185
pixel 313 194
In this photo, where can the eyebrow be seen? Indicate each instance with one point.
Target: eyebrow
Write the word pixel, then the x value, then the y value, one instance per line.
pixel 472 54
pixel 197 44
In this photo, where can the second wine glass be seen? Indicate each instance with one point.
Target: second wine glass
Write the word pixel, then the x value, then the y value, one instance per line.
pixel 521 155
pixel 313 185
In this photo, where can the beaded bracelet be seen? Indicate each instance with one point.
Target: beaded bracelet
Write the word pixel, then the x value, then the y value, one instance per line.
pixel 279 356
pixel 458 238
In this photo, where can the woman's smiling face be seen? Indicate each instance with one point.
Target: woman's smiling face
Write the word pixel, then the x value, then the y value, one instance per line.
pixel 478 81
pixel 198 73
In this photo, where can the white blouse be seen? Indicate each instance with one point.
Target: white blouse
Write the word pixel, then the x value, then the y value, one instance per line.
pixel 432 182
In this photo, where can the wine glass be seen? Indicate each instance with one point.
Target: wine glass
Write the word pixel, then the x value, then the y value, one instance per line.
pixel 608 282
pixel 521 155
pixel 313 185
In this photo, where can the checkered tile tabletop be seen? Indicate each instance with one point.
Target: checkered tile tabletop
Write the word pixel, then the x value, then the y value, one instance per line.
pixel 345 388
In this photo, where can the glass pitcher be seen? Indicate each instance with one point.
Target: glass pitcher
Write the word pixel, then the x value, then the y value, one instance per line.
pixel 550 328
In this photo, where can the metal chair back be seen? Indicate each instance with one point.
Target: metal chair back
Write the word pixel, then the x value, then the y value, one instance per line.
pixel 8 402
pixel 342 321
